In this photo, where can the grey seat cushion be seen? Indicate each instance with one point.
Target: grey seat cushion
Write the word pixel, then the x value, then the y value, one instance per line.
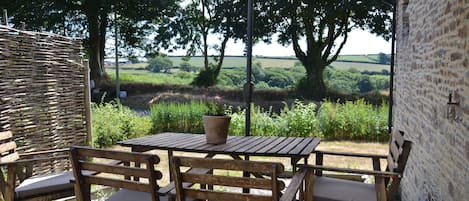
pixel 130 195
pixel 45 185
pixel 331 189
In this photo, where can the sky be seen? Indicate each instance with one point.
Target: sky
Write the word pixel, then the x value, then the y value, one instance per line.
pixel 359 42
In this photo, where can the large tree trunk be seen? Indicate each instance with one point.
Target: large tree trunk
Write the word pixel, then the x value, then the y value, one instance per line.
pixel 316 87
pixel 96 65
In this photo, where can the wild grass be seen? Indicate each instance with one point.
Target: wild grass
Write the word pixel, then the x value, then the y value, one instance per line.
pixel 332 121
pixel 144 76
pixel 178 117
pixel 112 122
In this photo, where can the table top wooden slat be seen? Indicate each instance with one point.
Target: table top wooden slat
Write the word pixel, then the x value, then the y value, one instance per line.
pixel 310 147
pixel 251 145
pixel 290 146
pixel 301 146
pixel 180 142
pixel 243 144
pixel 278 147
pixel 269 140
pixel 277 141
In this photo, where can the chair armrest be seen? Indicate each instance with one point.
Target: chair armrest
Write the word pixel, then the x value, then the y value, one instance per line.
pixel 363 155
pixel 355 171
pixel 295 185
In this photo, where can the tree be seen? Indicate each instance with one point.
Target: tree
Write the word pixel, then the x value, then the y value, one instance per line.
pixel 160 63
pixel 324 25
pixel 92 18
pixel 200 18
pixel 383 58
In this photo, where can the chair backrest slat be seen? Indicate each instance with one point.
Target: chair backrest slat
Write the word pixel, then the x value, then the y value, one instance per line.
pixel 89 170
pixel 273 169
pixel 119 183
pixel 237 165
pixel 217 195
pixel 241 182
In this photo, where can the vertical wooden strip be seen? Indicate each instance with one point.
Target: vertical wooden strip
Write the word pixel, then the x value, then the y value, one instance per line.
pixel 78 185
pixel 175 171
pixel 275 188
pixel 380 189
pixel 87 103
pixel 309 185
pixel 152 179
pixel 11 182
pixel 319 161
pixel 376 164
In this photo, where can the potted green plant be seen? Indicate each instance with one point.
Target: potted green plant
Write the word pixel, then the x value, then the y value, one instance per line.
pixel 216 124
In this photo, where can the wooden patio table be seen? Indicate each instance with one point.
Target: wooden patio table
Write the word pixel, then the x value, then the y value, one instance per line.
pixel 295 148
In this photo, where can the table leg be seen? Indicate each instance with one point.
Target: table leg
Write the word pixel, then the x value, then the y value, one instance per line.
pixel 137 164
pixel 170 155
pixel 246 174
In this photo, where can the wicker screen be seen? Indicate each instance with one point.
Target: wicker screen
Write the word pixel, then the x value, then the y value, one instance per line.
pixel 42 92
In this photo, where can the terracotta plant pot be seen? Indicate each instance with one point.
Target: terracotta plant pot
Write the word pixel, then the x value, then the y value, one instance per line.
pixel 216 128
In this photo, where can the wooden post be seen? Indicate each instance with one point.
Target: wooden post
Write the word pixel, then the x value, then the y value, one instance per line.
pixel 5 17
pixel 87 102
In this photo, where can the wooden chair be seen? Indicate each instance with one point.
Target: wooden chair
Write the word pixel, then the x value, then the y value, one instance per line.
pixel 18 167
pixel 322 188
pixel 182 191
pixel 87 162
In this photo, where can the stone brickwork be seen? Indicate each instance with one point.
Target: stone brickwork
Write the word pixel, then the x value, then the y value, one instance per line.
pixel 432 65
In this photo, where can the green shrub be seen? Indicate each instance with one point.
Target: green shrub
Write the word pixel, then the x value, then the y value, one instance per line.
pixel 353 121
pixel 113 122
pixel 262 123
pixel 299 120
pixel 160 64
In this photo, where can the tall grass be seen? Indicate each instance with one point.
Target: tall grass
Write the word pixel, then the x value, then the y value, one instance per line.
pixel 178 117
pixel 113 122
pixel 332 121
pixel 353 121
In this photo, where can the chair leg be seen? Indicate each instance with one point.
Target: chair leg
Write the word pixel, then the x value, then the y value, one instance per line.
pixel 9 194
pixel 309 186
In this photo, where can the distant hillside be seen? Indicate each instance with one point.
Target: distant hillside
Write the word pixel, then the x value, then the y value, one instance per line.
pixel 360 62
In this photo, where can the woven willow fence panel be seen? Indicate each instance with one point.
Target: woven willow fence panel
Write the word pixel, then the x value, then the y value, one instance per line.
pixel 42 92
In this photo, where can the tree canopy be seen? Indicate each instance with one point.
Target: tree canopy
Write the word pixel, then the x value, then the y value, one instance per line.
pixel 324 26
pixel 92 19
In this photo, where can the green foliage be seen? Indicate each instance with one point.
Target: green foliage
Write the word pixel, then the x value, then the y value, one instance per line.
pixel 383 58
pixel 353 81
pixel 160 64
pixel 353 121
pixel 186 66
pixel 205 78
pixel 178 117
pixel 181 78
pixel 299 120
pixel 113 122
pixel 332 121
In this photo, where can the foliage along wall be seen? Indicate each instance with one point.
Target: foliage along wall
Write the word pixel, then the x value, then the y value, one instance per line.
pixel 432 97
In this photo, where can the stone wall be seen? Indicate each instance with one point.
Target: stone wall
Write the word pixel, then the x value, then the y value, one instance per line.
pixel 432 66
